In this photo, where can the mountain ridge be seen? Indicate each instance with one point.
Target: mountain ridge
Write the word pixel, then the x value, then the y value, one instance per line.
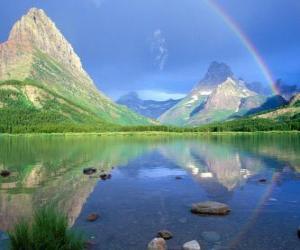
pixel 149 108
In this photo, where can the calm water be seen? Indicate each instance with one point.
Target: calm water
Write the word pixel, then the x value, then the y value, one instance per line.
pixel 143 195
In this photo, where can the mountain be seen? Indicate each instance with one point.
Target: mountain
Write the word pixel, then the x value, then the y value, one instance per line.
pixel 289 112
pixel 286 90
pixel 41 75
pixel 217 97
pixel 147 108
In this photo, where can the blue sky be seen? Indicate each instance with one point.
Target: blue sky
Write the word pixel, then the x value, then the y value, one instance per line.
pixel 162 48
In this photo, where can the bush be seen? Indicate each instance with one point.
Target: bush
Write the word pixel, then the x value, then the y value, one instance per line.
pixel 48 230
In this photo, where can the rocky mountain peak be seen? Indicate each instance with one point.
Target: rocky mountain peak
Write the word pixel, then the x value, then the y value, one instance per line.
pixel 217 73
pixel 37 31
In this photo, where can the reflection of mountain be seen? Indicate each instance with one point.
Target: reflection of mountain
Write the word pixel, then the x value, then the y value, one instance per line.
pixel 211 161
pixel 49 170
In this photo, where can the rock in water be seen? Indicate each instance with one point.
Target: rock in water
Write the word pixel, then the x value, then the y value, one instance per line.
pixel 92 217
pixel 263 180
pixel 210 208
pixel 191 245
pixel 157 244
pixel 5 173
pixel 105 176
pixel 89 171
pixel 299 232
pixel 165 234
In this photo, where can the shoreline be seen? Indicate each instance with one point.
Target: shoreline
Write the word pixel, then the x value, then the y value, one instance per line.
pixel 153 133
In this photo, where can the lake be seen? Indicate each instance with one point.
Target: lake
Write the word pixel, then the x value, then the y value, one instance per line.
pixel 144 196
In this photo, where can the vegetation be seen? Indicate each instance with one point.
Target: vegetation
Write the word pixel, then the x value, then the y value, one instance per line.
pixel 52 113
pixel 48 230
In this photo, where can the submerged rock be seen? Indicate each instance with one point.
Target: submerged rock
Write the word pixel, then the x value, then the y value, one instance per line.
pixel 157 244
pixel 262 180
pixel 165 234
pixel 298 232
pixel 92 217
pixel 210 208
pixel 178 178
pixel 5 173
pixel 211 236
pixel 191 245
pixel 89 171
pixel 105 176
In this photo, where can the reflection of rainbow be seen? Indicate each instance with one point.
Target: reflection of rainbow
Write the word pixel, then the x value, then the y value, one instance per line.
pixel 257 211
pixel 246 42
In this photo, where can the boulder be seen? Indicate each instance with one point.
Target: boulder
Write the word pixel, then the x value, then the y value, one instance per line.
pixel 191 245
pixel 210 208
pixel 89 171
pixel 5 173
pixel 157 244
pixel 165 234
pixel 298 232
pixel 105 176
pixel 92 217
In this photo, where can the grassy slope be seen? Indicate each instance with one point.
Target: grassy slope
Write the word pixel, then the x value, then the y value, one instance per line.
pixel 19 112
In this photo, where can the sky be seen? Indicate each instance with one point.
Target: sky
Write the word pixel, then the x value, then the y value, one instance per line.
pixel 162 48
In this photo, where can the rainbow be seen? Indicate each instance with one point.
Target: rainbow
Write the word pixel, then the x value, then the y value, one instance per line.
pixel 246 42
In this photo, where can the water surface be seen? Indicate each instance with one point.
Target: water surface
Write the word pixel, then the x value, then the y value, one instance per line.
pixel 144 196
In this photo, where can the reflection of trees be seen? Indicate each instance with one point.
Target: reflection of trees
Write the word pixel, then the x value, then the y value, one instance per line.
pixel 49 170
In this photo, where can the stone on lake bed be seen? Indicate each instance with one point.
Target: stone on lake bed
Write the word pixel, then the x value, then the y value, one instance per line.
pixel 191 245
pixel 92 217
pixel 211 236
pixel 262 180
pixel 89 171
pixel 105 176
pixel 5 173
pixel 178 178
pixel 157 244
pixel 165 234
pixel 298 232
pixel 210 208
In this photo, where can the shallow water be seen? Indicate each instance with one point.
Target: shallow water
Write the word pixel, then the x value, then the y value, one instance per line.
pixel 144 196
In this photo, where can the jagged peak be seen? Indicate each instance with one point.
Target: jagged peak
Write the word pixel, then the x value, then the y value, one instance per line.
pixel 217 72
pixel 38 31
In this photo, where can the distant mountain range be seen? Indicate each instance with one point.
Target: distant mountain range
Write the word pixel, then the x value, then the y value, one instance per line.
pixel 43 80
pixel 219 96
pixel 148 108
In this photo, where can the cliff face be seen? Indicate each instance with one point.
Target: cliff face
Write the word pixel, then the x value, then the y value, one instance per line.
pixel 36 29
pixel 37 51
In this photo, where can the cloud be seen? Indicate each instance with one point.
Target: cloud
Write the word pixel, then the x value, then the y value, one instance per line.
pixel 158 95
pixel 97 3
pixel 159 49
